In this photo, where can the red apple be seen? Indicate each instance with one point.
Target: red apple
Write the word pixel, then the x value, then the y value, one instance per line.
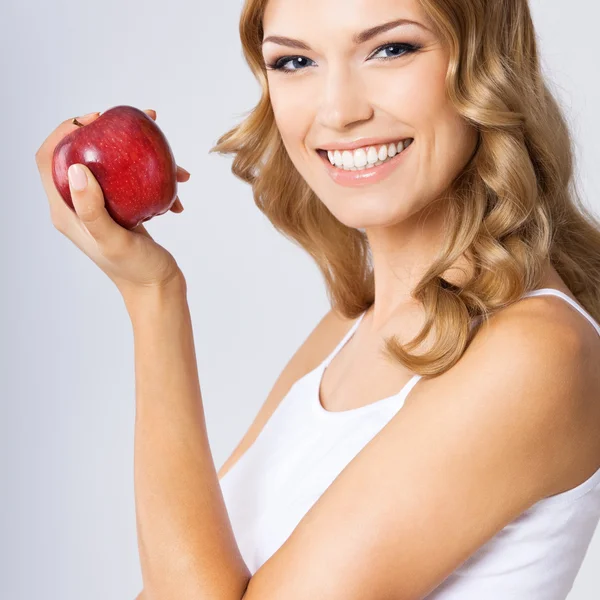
pixel 131 159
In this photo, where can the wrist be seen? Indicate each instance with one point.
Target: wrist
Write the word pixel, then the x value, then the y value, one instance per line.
pixel 141 300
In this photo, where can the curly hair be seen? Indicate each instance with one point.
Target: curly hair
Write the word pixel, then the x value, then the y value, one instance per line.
pixel 513 206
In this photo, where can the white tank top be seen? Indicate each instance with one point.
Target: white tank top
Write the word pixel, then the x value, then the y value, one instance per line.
pixel 303 447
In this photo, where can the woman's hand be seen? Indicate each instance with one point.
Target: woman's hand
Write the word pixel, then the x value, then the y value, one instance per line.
pixel 130 258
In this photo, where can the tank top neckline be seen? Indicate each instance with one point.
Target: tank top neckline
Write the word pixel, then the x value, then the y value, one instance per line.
pixel 397 399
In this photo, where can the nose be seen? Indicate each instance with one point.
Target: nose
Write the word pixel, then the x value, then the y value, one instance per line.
pixel 344 100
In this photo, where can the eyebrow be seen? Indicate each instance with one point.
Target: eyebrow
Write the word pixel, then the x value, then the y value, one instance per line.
pixel 358 38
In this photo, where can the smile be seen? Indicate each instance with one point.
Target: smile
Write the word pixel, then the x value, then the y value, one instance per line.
pixel 364 174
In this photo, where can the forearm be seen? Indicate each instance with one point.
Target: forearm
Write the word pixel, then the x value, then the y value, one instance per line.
pixel 187 547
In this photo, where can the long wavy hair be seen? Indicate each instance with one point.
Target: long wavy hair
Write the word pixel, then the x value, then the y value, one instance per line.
pixel 514 205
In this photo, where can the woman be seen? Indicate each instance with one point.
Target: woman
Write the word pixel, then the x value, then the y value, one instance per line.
pixel 414 150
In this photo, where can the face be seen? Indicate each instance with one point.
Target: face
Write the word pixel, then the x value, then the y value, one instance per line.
pixel 364 92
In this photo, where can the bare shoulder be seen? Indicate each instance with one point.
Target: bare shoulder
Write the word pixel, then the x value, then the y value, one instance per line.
pixel 548 353
pixel 551 332
pixel 540 331
pixel 317 345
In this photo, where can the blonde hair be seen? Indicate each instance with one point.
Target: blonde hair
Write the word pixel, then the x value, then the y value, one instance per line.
pixel 514 206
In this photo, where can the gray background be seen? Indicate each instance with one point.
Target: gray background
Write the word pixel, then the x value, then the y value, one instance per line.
pixel 66 369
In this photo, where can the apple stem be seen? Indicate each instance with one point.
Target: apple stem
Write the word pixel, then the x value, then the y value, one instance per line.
pixel 76 122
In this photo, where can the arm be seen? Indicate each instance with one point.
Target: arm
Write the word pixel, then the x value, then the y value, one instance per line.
pixel 187 547
pixel 321 340
pixel 463 488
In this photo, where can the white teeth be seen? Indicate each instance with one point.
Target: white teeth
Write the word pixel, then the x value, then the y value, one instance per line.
pixel 360 158
pixel 372 156
pixel 363 158
pixel 348 159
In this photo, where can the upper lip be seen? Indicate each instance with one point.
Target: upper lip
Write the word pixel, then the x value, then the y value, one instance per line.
pixel 361 143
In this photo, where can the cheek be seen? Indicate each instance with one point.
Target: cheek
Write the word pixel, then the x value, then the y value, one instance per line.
pixel 419 97
pixel 293 126
pixel 290 108
pixel 446 140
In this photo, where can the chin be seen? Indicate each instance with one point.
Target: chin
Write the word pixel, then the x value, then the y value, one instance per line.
pixel 371 210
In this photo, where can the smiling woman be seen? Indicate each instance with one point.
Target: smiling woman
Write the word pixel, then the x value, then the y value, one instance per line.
pixel 436 435
pixel 414 150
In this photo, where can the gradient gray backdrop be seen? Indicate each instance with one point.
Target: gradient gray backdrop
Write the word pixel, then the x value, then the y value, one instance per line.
pixel 66 365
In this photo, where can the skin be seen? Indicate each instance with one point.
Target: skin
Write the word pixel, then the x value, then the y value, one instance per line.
pixel 343 92
pixel 342 95
pixel 174 521
pixel 393 549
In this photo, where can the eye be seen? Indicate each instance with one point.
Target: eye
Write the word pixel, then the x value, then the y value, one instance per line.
pixel 278 65
pixel 401 49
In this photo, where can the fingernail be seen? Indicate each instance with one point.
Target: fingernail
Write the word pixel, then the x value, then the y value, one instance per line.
pixel 77 178
pixel 89 115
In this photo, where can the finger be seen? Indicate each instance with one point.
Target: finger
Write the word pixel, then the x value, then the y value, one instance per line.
pixel 177 206
pixel 89 204
pixel 151 113
pixel 182 174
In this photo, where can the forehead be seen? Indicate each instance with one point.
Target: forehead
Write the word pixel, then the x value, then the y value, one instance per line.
pixel 339 17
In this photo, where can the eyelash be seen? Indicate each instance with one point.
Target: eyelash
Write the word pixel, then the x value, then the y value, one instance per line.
pixel 277 65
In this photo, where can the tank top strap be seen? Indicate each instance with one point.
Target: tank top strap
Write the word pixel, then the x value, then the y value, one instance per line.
pixel 341 343
pixel 559 294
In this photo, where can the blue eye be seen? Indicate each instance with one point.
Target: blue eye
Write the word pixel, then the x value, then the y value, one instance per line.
pixel 403 48
pixel 278 65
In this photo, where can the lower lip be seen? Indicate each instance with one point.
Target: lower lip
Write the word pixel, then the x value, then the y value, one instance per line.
pixel 365 176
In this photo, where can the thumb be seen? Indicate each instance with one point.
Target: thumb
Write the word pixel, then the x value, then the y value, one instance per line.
pixel 88 201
